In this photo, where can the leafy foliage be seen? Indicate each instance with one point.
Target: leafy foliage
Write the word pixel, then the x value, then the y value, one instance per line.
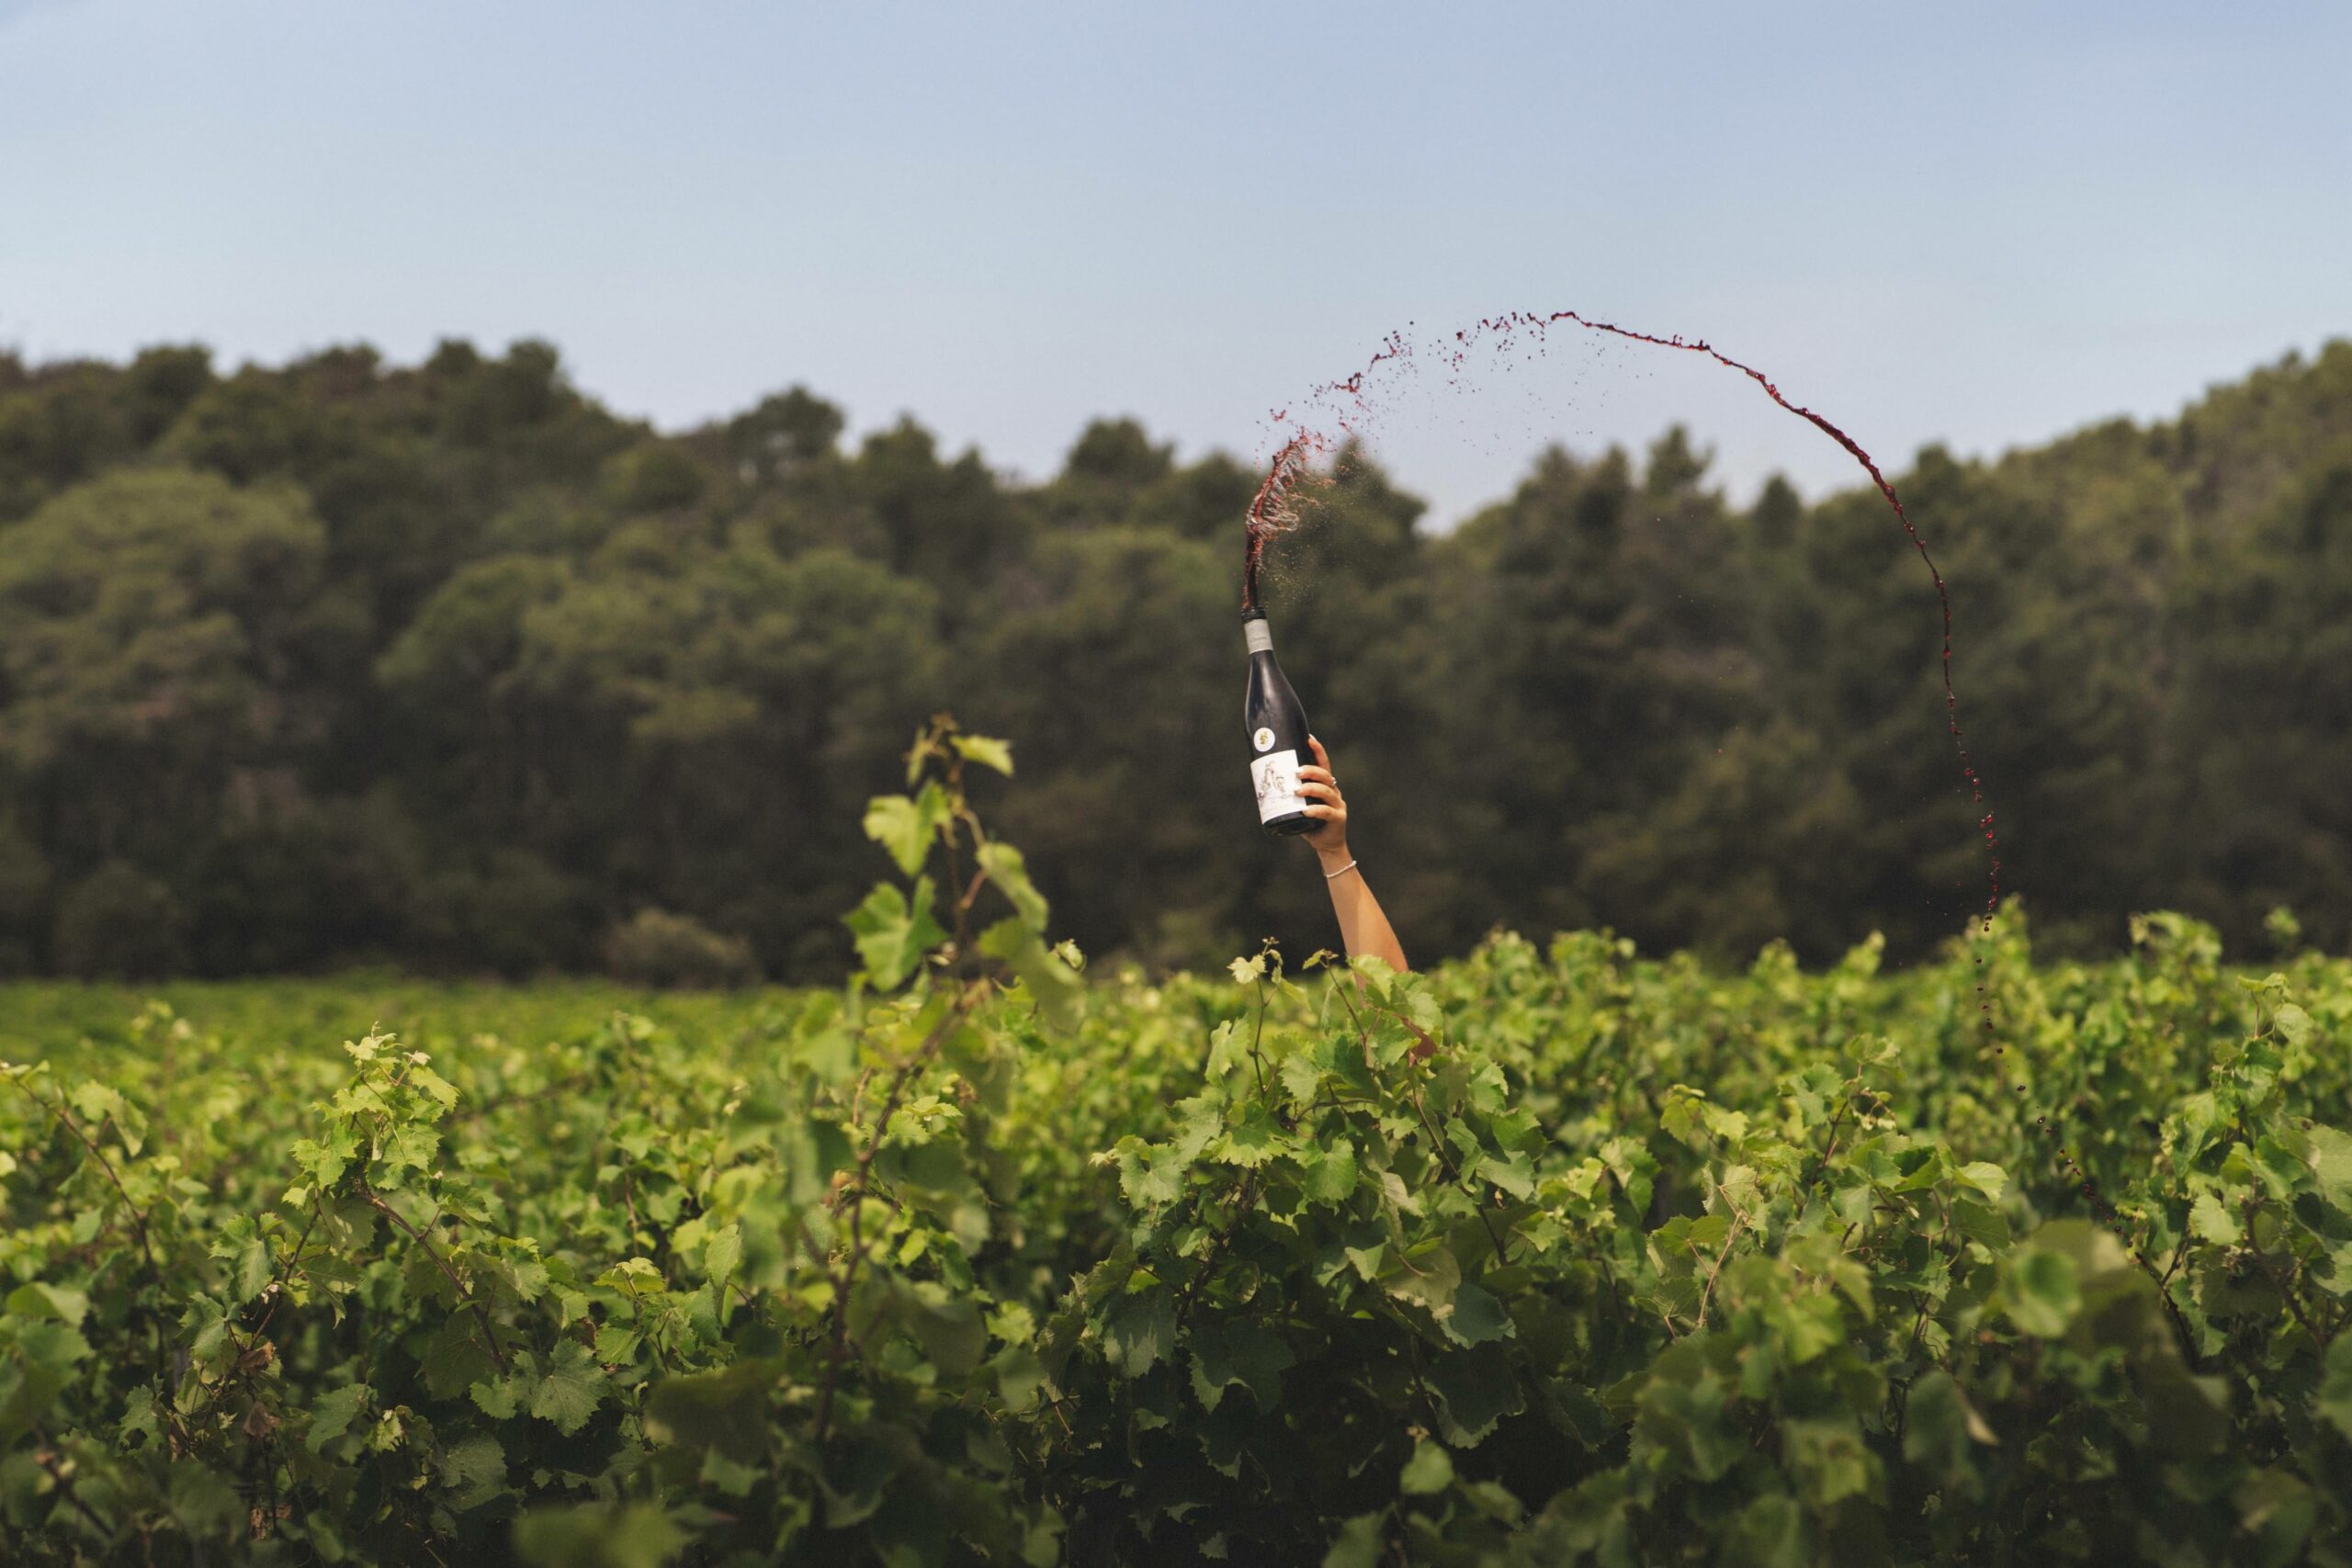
pixel 1551 1256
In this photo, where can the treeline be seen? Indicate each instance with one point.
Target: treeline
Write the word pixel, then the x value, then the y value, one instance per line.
pixel 449 667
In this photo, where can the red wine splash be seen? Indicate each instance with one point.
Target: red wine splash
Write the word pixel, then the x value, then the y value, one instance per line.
pixel 1274 511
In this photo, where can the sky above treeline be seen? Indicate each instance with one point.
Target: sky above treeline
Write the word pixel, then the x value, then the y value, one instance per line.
pixel 1979 225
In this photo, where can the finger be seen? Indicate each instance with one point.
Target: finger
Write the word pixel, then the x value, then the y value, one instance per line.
pixel 1327 813
pixel 1312 790
pixel 1322 758
pixel 1319 775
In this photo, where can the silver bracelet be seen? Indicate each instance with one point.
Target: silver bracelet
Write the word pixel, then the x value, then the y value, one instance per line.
pixel 1341 872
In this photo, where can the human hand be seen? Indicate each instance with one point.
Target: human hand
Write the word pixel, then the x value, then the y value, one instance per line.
pixel 1324 801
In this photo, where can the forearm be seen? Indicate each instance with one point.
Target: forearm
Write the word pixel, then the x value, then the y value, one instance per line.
pixel 1363 928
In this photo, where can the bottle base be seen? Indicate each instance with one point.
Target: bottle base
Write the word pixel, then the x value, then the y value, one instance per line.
pixel 1290 827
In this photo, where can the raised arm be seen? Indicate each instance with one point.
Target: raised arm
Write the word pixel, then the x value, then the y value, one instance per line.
pixel 1363 927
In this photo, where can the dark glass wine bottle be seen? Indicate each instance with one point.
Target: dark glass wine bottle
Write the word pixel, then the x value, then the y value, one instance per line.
pixel 1277 728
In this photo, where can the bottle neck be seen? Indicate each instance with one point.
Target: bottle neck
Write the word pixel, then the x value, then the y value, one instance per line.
pixel 1258 639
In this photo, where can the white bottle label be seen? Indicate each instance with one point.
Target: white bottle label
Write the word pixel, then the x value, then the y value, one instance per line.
pixel 1276 780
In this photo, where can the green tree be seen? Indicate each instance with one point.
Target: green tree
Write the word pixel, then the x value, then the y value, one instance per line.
pixel 24 891
pixel 2263 727
pixel 1121 675
pixel 118 923
pixel 154 628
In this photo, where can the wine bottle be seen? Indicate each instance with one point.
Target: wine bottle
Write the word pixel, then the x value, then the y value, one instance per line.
pixel 1277 727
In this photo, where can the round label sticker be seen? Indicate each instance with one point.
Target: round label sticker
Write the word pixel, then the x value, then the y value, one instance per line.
pixel 1264 739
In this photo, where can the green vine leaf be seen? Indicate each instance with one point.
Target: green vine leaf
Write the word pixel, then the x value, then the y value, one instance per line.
pixel 986 751
pixel 568 1392
pixel 907 827
pixel 893 933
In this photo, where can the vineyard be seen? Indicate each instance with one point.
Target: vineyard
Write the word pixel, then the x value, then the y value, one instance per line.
pixel 1556 1254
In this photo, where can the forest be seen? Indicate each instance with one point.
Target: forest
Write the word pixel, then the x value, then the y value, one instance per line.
pixel 450 668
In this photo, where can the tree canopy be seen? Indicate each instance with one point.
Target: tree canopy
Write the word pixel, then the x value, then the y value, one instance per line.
pixel 448 666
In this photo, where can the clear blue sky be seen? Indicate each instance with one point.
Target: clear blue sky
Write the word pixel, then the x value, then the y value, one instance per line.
pixel 1979 224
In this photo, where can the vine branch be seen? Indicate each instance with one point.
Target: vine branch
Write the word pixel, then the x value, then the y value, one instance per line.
pixel 490 1331
pixel 853 1191
pixel 138 1215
